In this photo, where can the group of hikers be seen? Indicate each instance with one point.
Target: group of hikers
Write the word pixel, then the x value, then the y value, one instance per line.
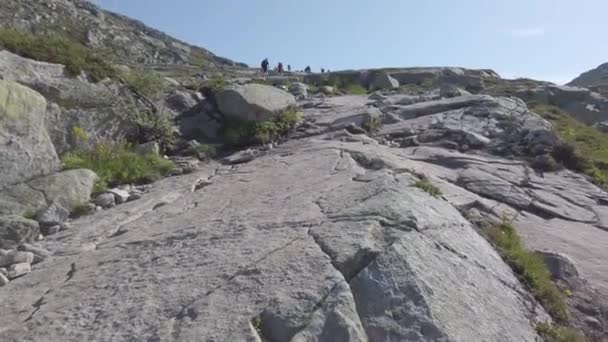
pixel 281 69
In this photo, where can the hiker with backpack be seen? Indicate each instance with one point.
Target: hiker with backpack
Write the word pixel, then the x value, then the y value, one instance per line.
pixel 264 65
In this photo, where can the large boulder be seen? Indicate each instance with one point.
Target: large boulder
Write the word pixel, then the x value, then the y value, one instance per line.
pixel 26 150
pixel 14 230
pixel 383 81
pixel 253 102
pixel 68 188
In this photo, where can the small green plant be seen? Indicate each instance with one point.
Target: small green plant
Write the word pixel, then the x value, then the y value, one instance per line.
pixel 145 82
pixel 530 267
pixel 557 333
pixel 57 49
pixel 100 186
pixel 425 184
pixel 80 135
pixel 116 163
pixel 213 85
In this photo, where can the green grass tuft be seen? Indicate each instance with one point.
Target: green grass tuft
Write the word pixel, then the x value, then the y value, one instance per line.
pixel 116 163
pixel 529 266
pixel 429 187
pixel 57 49
pixel 353 88
pixel 556 333
pixel 586 148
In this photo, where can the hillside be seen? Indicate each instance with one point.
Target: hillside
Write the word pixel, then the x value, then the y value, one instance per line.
pixel 152 191
pixel 126 40
pixel 596 79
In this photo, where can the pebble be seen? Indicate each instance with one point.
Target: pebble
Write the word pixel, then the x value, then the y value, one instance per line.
pixel 105 200
pixel 134 196
pixel 3 280
pixel 40 237
pixel 16 257
pixel 17 270
pixel 3 271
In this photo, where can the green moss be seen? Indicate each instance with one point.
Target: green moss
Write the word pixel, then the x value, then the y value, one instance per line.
pixel 586 148
pixel 557 333
pixel 57 49
pixel 429 187
pixel 530 267
pixel 30 213
pixel 117 163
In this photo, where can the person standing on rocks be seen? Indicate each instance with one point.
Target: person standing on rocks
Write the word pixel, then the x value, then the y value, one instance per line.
pixel 307 69
pixel 289 67
pixel 265 64
pixel 280 68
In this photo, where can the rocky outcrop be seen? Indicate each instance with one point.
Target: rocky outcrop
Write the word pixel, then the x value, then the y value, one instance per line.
pixel 382 80
pixel 253 102
pixel 25 148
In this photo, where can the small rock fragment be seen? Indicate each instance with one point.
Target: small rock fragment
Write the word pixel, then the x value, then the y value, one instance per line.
pixel 3 271
pixel 51 230
pixel 53 215
pixel 16 257
pixel 26 247
pixel 40 237
pixel 134 196
pixel 3 252
pixel 120 195
pixel 37 259
pixel 3 280
pixel 17 270
pixel 105 200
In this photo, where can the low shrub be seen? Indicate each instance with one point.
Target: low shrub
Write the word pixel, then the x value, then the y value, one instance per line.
pixel 145 82
pixel 57 49
pixel 557 333
pixel 242 133
pixel 116 163
pixel 426 185
pixel 530 267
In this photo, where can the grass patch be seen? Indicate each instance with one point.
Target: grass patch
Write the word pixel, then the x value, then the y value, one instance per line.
pixel 426 185
pixel 586 148
pixel 353 88
pixel 243 133
pixel 530 267
pixel 57 49
pixel 116 163
pixel 557 333
pixel 30 214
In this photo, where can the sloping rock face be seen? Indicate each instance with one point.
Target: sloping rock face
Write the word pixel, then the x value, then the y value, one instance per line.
pixel 253 102
pixel 383 81
pixel 26 150
pixel 313 245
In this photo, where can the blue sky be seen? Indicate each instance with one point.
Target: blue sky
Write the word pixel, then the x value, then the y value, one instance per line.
pixel 553 40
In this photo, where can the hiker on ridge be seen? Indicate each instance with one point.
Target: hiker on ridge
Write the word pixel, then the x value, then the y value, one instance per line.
pixel 289 67
pixel 280 68
pixel 265 66
pixel 307 69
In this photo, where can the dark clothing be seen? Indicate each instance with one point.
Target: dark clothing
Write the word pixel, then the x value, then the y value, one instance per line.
pixel 307 69
pixel 280 68
pixel 265 65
